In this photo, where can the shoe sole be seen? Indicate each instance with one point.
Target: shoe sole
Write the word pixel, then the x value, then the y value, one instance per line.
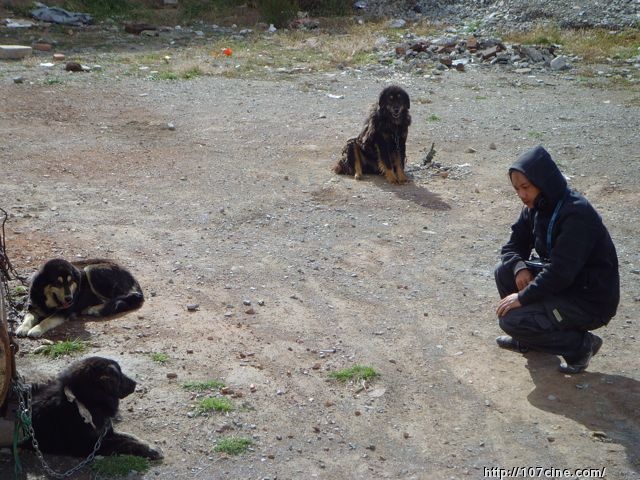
pixel 512 346
pixel 595 348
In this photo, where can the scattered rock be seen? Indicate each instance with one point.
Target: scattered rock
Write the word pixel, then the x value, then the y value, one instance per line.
pixel 73 67
pixel 560 63
pixel 138 28
pixel 43 47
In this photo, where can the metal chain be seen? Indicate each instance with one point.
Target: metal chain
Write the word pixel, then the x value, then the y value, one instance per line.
pixel 23 391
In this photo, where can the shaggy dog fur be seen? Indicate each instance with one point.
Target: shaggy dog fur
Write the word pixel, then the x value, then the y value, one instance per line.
pixel 61 290
pixel 381 146
pixel 71 411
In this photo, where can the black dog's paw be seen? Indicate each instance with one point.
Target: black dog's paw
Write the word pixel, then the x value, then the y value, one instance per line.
pixel 127 444
pixel 155 454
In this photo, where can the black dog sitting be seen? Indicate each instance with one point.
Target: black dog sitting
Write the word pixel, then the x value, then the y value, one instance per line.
pixel 381 146
pixel 71 412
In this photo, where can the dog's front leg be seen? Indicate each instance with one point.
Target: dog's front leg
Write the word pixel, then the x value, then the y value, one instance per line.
pixel 402 158
pixel 127 444
pixel 45 325
pixel 27 324
pixel 399 167
pixel 384 164
pixel 357 162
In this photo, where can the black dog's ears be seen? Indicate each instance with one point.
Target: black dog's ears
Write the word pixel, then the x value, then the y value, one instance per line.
pixel 396 91
pixel 381 98
pixel 110 378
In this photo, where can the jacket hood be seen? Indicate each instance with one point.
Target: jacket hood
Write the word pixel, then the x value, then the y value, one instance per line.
pixel 537 165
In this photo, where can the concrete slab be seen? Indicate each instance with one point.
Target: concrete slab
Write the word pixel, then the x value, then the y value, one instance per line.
pixel 14 52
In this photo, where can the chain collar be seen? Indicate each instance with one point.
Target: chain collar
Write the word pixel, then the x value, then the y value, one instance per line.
pixel 24 425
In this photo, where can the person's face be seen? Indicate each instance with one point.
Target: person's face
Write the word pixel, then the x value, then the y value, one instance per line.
pixel 526 190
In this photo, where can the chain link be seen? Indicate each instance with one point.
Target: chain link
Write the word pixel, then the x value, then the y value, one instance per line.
pixel 23 391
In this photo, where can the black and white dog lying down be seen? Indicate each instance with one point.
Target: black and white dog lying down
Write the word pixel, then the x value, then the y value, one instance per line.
pixel 62 290
pixel 72 411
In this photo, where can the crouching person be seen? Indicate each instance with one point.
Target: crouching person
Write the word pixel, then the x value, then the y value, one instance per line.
pixel 552 301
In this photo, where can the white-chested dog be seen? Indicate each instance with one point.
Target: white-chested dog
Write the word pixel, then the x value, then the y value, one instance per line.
pixel 71 412
pixel 61 290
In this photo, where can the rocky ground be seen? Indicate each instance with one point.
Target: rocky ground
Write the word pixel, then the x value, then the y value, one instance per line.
pixel 511 14
pixel 217 192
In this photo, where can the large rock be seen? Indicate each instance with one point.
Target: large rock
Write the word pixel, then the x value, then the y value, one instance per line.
pixel 14 52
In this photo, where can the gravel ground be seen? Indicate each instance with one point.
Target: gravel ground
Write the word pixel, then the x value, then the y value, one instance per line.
pixel 298 273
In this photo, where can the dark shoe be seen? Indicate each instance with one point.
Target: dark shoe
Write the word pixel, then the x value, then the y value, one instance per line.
pixel 579 364
pixel 508 343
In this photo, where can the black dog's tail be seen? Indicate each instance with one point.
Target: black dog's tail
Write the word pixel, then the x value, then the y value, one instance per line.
pixel 346 164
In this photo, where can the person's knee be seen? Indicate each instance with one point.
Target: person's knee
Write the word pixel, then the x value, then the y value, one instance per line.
pixel 505 280
pixel 509 324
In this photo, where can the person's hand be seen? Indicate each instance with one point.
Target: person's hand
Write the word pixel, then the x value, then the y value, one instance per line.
pixel 508 303
pixel 523 278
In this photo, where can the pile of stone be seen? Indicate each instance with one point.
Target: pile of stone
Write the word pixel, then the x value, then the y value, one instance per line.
pixel 458 52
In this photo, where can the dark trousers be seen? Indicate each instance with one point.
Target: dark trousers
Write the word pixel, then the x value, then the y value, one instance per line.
pixel 554 325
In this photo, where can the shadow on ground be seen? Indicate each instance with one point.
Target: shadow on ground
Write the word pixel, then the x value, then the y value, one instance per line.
pixel 605 404
pixel 416 194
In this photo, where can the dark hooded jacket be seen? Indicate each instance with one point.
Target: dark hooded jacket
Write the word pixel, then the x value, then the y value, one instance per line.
pixel 581 263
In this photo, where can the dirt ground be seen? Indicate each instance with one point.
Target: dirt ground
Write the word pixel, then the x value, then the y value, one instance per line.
pixel 297 272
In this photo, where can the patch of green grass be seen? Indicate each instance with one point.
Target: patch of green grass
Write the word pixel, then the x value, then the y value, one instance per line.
pixel 433 118
pixel 52 81
pixel 214 404
pixel 167 75
pixel 233 445
pixel 598 45
pixel 150 58
pixel 481 97
pixel 187 73
pixel 58 349
pixel 535 135
pixel 473 26
pixel 101 9
pixel 363 57
pixel 198 9
pixel 119 465
pixel 191 73
pixel 203 386
pixel 20 10
pixel 278 12
pixel 19 294
pixel 159 357
pixel 634 102
pixel 325 8
pixel 354 374
pixel 592 45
